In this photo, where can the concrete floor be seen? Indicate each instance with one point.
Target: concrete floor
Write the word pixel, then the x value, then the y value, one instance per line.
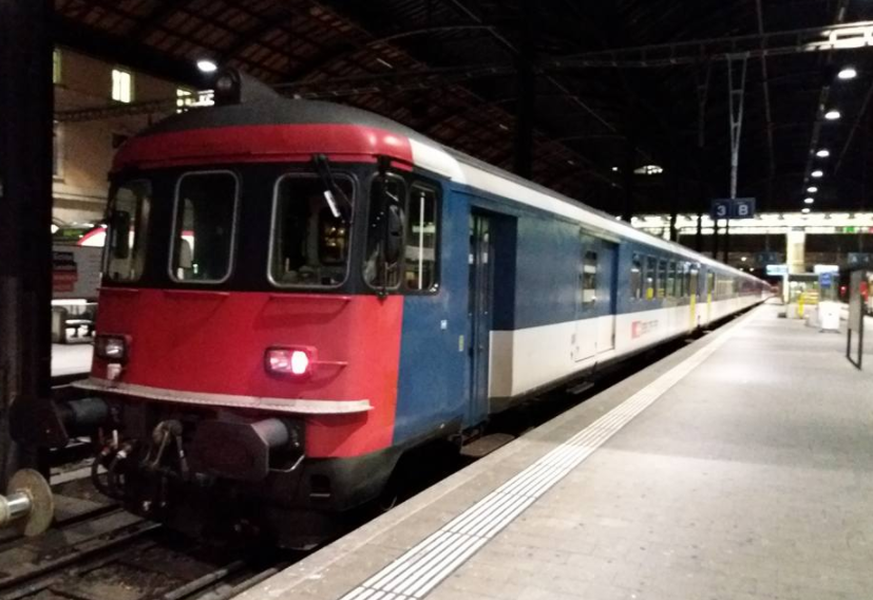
pixel 740 467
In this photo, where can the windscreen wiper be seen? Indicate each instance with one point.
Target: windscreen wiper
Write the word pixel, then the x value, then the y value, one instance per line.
pixel 332 192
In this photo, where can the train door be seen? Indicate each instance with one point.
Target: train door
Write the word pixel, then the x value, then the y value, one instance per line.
pixel 710 290
pixel 584 340
pixel 693 291
pixel 481 300
pixel 607 296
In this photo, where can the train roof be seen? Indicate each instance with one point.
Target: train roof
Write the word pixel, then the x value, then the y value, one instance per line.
pixel 272 109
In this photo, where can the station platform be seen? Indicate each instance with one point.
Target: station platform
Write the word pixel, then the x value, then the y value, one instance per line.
pixel 69 360
pixel 739 467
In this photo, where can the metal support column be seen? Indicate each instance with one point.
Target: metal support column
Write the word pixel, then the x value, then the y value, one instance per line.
pixel 703 79
pixel 737 96
pixel 26 107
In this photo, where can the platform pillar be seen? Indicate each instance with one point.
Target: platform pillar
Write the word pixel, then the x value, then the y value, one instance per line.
pixel 26 110
pixel 795 251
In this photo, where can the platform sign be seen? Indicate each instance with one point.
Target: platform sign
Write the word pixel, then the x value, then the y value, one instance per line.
pixel 860 259
pixel 777 270
pixel 737 208
pixel 721 209
pixel 768 258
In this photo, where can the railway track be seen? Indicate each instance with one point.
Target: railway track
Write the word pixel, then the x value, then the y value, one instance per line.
pixel 113 555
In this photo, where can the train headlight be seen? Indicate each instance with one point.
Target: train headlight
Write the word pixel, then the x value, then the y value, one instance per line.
pixel 297 362
pixel 111 347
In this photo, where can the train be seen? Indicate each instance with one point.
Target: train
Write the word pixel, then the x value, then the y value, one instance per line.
pixel 297 294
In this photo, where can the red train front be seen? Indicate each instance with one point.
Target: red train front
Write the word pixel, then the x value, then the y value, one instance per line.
pixel 248 340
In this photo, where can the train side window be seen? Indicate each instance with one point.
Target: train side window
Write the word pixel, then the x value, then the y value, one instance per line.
pixel 651 277
pixel 310 237
pixel 128 226
pixel 692 280
pixel 387 202
pixel 662 278
pixel 671 280
pixel 589 278
pixel 688 290
pixel 421 240
pixel 204 227
pixel 636 277
pixel 710 283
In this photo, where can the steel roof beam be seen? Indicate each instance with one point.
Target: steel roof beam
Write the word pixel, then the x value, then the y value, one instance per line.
pixel 159 13
pixel 848 36
pixel 116 49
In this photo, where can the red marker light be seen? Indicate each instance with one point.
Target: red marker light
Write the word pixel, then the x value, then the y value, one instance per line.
pixel 297 362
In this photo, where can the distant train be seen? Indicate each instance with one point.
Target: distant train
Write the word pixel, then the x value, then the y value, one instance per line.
pixel 356 290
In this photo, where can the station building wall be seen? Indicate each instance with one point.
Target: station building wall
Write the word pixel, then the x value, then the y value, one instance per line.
pixel 84 148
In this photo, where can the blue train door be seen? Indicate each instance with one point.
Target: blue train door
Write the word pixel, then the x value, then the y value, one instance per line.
pixel 595 298
pixel 584 344
pixel 481 299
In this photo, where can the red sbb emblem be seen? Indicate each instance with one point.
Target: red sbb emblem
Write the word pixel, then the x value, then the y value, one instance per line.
pixel 641 328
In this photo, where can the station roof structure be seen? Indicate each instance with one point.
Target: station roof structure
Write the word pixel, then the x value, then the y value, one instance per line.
pixel 618 85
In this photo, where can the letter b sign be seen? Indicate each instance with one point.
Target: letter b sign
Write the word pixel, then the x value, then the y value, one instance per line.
pixel 743 208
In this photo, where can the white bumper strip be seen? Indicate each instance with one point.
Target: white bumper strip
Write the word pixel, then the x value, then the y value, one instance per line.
pixel 289 405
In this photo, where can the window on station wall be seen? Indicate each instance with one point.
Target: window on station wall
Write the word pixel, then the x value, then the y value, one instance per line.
pixel 662 278
pixel 671 280
pixel 311 236
pixel 204 227
pixel 57 151
pixel 421 240
pixel 651 277
pixel 385 233
pixel 636 277
pixel 56 66
pixel 589 278
pixel 128 218
pixel 122 85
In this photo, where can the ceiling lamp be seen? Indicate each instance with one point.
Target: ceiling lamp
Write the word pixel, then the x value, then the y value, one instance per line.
pixel 207 66
pixel 817 174
pixel 811 189
pixel 809 200
pixel 823 153
pixel 847 73
pixel 805 211
pixel 832 115
pixel 649 170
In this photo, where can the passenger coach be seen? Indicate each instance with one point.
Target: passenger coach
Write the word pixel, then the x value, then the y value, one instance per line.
pixel 296 293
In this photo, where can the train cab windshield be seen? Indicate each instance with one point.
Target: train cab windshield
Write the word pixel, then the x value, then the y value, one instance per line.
pixel 128 222
pixel 310 233
pixel 262 227
pixel 204 227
